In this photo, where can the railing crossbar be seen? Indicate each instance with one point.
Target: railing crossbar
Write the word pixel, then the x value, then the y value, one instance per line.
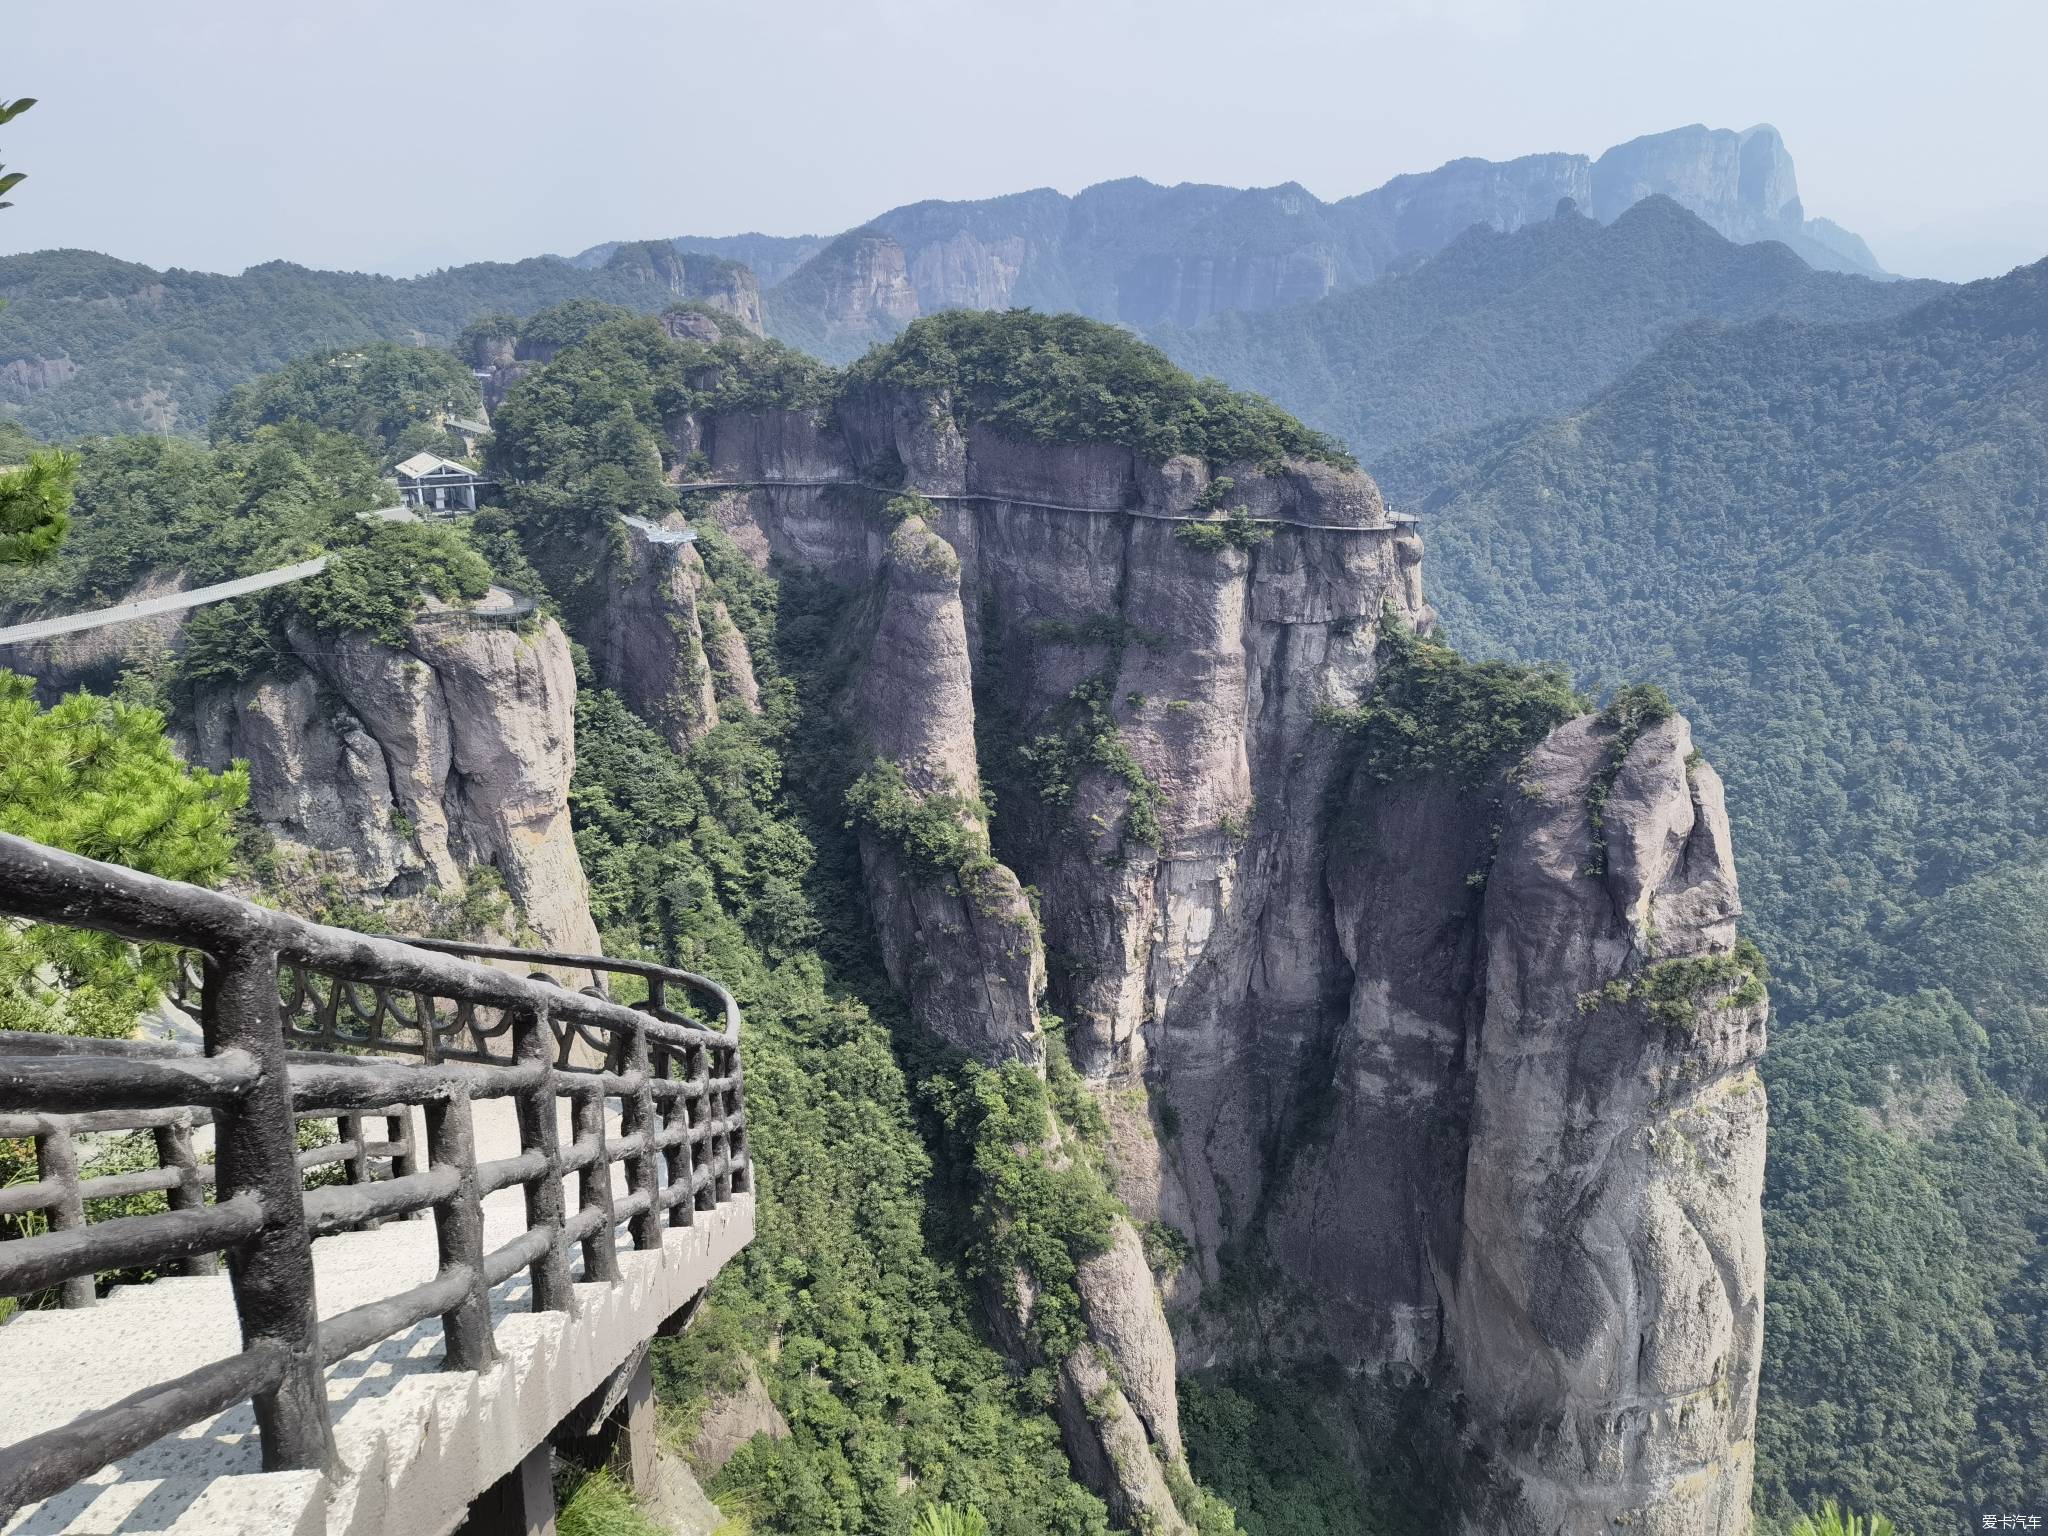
pixel 299 1024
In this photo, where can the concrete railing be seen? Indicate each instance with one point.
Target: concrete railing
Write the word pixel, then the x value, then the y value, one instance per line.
pixel 294 1018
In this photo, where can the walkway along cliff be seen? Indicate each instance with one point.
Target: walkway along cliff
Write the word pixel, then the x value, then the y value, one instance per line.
pixel 1436 1058
pixel 353 1371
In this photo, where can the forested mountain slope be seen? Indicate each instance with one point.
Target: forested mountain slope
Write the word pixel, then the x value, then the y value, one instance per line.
pixel 92 344
pixel 89 343
pixel 1526 323
pixel 1829 542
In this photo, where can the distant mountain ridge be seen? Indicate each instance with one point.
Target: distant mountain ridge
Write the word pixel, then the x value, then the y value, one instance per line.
pixel 1527 323
pixel 90 343
pixel 1140 254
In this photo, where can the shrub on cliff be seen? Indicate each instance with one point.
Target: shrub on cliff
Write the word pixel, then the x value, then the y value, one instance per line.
pixel 1831 1520
pixel 1235 530
pixel 945 833
pixel 1037 1214
pixel 374 586
pixel 1060 378
pixel 853 1310
pixel 1433 712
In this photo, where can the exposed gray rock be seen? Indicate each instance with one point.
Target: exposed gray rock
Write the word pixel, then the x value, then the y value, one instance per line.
pixel 95 658
pixel 1607 1316
pixel 647 641
pixel 678 1503
pixel 317 779
pixel 731 1420
pixel 396 770
pixel 850 293
pixel 1112 1453
pixel 1741 183
pixel 692 276
pixel 1360 1001
pixel 21 377
pixel 1149 256
pixel 963 944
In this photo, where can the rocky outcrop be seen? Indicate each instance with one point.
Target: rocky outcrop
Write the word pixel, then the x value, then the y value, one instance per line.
pixel 960 940
pixel 647 639
pixel 1415 1058
pixel 853 292
pixel 1741 183
pixel 21 377
pixel 1607 1314
pixel 688 275
pixel 394 772
pixel 731 1419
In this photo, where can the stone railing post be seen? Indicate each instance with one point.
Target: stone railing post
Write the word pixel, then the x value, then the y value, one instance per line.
pixel 257 1151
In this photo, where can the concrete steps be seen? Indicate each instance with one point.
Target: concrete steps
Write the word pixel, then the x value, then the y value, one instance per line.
pixel 416 1444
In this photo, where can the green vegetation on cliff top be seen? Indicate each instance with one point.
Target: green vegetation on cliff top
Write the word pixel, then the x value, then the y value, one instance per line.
pixel 1434 712
pixel 1060 378
pixel 159 507
pixel 392 397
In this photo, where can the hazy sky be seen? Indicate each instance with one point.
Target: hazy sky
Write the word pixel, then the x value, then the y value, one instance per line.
pixel 398 135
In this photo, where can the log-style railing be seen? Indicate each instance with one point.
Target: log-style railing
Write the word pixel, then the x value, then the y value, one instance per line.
pixel 294 1017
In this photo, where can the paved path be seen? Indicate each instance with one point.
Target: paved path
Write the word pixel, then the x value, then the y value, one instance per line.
pixel 416 1444
pixel 1022 501
pixel 172 602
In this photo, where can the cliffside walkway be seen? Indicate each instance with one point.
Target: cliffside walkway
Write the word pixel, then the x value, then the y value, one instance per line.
pixel 358 1368
pixel 1395 520
pixel 170 602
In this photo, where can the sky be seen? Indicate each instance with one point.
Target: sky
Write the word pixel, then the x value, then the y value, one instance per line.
pixel 401 135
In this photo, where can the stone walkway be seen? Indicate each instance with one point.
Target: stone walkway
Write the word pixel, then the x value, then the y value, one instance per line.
pixel 417 1444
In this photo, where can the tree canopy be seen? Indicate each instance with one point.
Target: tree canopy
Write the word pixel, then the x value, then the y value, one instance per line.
pixel 97 777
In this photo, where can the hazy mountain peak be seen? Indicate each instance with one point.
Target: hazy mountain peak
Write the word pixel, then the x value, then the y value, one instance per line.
pixel 1139 253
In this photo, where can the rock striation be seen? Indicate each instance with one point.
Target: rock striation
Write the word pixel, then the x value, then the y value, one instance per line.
pixel 1397 1038
pixel 392 773
pixel 664 641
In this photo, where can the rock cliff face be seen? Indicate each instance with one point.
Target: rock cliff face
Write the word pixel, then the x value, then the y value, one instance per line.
pixel 712 280
pixel 394 772
pixel 664 642
pixel 1741 183
pixel 1411 1051
pixel 855 289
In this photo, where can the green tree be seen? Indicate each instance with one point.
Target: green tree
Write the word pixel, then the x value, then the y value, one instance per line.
pixel 395 398
pixel 9 111
pixel 97 777
pixel 1829 1520
pixel 949 1520
pixel 35 507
